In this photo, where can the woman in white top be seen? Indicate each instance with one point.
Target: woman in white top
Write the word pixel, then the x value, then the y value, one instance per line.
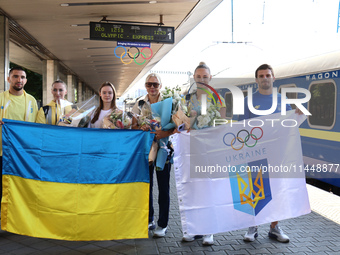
pixel 107 104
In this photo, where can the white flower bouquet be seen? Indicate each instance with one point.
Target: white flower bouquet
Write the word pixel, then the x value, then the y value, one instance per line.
pixel 207 120
pixel 182 114
pixel 173 93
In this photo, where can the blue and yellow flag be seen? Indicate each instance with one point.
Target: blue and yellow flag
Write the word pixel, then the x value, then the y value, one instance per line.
pixel 73 183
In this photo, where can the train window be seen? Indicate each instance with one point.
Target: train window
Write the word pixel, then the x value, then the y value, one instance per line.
pixel 289 95
pixel 322 104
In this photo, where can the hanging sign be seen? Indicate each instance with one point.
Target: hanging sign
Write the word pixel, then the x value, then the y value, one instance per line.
pixel 134 33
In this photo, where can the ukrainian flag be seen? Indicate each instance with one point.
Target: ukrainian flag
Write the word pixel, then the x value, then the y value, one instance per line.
pixel 75 183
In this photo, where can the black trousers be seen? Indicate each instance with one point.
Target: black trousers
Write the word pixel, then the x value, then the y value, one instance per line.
pixel 163 181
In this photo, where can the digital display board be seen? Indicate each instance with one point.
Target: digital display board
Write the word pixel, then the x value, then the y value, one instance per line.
pixel 133 33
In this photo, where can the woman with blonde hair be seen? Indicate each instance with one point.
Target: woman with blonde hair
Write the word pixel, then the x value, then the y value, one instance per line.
pixel 153 85
pixel 202 77
pixel 51 113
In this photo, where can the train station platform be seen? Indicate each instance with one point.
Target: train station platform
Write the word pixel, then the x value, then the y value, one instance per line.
pixel 315 233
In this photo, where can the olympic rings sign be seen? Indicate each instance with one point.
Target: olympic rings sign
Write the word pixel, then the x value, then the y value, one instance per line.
pixel 243 141
pixel 133 57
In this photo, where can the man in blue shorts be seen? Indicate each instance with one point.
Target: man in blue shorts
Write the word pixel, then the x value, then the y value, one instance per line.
pixel 262 100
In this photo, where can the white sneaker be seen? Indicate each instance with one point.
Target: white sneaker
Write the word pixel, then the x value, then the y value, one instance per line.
pixel 277 233
pixel 208 240
pixel 189 238
pixel 152 225
pixel 251 234
pixel 160 232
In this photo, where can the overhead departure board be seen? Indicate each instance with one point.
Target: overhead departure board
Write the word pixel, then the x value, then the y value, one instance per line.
pixel 133 33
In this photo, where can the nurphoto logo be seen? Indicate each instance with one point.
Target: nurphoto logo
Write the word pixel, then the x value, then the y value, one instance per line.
pixel 238 101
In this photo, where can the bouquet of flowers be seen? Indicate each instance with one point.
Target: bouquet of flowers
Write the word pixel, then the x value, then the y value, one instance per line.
pixel 118 119
pixel 174 94
pixel 153 121
pixel 80 115
pixel 147 117
pixel 207 120
pixel 184 116
pixel 164 110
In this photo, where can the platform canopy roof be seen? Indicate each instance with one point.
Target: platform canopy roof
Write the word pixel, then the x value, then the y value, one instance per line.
pixel 59 30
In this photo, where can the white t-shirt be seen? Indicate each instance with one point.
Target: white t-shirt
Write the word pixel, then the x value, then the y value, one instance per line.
pixel 99 122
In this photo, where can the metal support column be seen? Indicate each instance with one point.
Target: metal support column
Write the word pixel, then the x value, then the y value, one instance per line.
pixel 4 52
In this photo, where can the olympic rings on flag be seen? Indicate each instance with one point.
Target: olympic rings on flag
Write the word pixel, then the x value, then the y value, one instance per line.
pixel 132 56
pixel 244 140
pixel 247 137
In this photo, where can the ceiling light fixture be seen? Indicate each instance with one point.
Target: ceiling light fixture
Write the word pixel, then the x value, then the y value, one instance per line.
pixel 125 2
pixel 80 25
pixel 104 3
pixel 101 61
pixel 94 56
pixel 96 48
pixel 107 65
pixel 160 23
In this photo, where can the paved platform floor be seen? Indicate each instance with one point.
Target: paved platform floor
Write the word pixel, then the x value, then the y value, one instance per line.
pixel 315 233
